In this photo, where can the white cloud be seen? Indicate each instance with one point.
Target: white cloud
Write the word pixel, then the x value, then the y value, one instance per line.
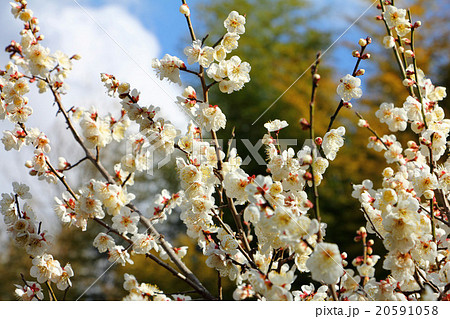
pixel 124 50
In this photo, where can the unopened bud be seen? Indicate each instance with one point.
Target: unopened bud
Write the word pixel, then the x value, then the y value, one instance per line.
pixel 305 124
pixel 123 88
pixel 355 53
pixel 370 242
pixel 369 250
pixel 363 123
pixel 366 56
pixel 360 72
pixel 307 176
pixel 401 49
pixel 369 40
pixel 424 141
pixel 409 53
pixel 40 37
pixel 184 9
pixel 306 160
pixel 29 164
pixel 318 141
pixel 362 42
pixel 417 126
pixel 417 24
pixel 316 78
pixel 411 144
pixel 379 18
pixel 388 172
pixel 348 105
pixel 406 41
pixel 76 57
pixel 408 82
pixel 428 194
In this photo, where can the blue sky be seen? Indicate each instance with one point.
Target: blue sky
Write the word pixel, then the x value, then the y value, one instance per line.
pixel 162 18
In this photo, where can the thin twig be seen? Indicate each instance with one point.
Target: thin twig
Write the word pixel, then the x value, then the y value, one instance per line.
pixel 341 102
pixel 315 84
pixel 51 293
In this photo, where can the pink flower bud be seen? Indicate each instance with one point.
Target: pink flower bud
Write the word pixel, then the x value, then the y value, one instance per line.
pixel 307 176
pixel 305 124
pixel 318 141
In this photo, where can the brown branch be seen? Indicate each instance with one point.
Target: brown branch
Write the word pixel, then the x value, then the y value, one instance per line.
pixel 371 223
pixel 143 220
pixel 315 83
pixel 341 102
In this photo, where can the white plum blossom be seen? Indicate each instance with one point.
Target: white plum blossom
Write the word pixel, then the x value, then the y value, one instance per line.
pixel 104 242
pixel 188 100
pixel 230 42
pixel 64 282
pixel 394 16
pixel 325 263
pixel 31 291
pixel 45 268
pixel 349 88
pixel 275 125
pixel 142 243
pixel 235 23
pixel 238 71
pixel 332 142
pixel 22 190
pixel 211 117
pixel 195 53
pixel 119 254
pixel 169 67
pixel 126 222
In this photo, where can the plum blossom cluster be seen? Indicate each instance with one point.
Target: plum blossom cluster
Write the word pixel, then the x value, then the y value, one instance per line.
pixel 147 292
pixel 26 232
pixel 46 69
pixel 30 62
pixel 231 74
pixel 409 213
